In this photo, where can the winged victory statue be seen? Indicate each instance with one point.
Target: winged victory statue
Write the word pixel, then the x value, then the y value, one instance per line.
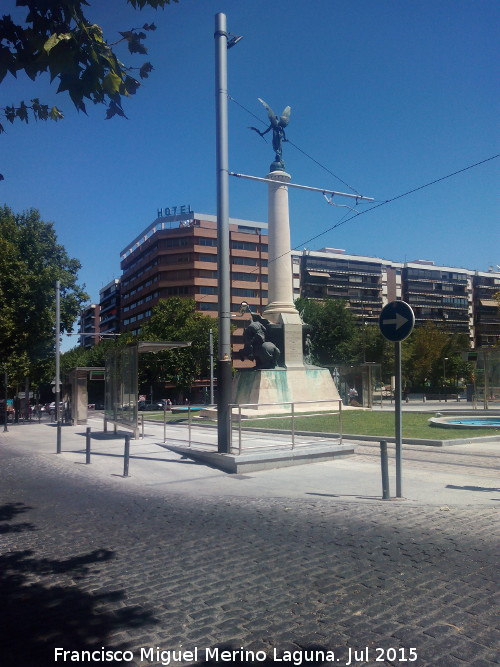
pixel 278 127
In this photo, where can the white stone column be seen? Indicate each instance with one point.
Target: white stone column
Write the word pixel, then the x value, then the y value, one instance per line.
pixel 280 284
pixel 280 308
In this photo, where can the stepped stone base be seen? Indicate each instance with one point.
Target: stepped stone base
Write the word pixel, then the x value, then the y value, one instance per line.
pixel 280 386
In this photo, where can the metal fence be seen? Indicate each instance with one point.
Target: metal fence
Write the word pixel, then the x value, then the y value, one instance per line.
pixel 292 414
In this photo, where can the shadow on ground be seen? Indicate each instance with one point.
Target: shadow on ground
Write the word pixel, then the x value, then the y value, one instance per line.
pixel 46 608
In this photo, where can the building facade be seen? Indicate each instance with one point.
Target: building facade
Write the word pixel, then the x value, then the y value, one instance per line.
pixel 177 256
pixel 441 294
pixel 89 326
pixel 485 308
pixel 461 299
pixel 109 308
pixel 366 284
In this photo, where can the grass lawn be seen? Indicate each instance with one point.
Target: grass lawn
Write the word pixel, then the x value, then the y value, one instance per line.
pixel 157 416
pixel 415 425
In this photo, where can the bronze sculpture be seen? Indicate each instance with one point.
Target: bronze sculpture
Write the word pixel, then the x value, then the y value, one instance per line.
pixel 278 127
pixel 256 347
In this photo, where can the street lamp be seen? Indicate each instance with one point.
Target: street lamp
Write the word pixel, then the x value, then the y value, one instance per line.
pixel 445 359
pixel 223 41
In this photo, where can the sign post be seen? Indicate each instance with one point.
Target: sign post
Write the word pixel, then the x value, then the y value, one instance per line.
pixel 396 323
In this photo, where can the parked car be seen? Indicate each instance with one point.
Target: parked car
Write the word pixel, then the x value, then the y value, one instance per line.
pixel 143 406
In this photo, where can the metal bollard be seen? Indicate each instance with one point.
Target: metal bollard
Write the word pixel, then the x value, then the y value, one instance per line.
pixel 58 436
pixel 386 495
pixel 142 427
pixel 126 455
pixel 87 445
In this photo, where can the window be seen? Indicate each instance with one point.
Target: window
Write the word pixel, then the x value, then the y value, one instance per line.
pixel 205 273
pixel 180 290
pixel 248 277
pixel 245 292
pixel 248 261
pixel 207 258
pixel 243 245
pixel 177 242
pixel 205 241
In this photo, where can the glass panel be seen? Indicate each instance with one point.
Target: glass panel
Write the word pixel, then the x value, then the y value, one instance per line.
pixel 121 386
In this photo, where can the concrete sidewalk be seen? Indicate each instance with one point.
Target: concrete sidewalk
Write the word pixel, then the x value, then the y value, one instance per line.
pixel 471 480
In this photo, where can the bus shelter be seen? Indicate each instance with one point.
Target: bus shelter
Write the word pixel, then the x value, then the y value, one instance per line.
pixel 121 382
pixel 78 379
pixel 486 387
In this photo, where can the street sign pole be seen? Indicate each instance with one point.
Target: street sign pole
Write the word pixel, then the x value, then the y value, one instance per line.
pixel 398 419
pixel 396 323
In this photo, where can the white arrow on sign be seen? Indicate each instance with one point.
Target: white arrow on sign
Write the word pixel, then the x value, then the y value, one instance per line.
pixel 399 320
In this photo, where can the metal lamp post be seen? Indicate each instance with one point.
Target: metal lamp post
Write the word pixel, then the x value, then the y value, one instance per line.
pixel 224 364
pixel 445 359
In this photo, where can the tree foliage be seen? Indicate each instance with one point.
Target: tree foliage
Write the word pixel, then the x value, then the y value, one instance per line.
pixel 332 328
pixel 428 355
pixel 57 38
pixel 31 260
pixel 433 354
pixel 176 319
pixel 88 357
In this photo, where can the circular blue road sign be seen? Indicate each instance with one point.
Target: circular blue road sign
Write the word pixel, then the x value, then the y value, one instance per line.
pixel 396 321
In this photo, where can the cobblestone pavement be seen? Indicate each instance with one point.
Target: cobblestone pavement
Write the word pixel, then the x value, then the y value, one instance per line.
pixel 450 458
pixel 86 566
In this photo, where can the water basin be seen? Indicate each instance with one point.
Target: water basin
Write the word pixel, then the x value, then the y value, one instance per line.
pixel 465 422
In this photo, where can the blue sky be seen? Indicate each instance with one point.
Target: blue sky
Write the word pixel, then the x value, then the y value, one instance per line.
pixel 388 95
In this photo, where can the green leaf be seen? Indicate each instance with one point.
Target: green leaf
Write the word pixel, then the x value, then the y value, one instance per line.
pixel 54 40
pixel 111 84
pixel 56 114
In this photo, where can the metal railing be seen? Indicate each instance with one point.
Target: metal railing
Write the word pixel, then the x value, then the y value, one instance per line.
pixel 291 413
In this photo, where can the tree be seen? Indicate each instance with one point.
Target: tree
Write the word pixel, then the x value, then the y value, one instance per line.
pixel 31 260
pixel 176 319
pixel 332 328
pixel 426 351
pixel 56 38
pixel 88 357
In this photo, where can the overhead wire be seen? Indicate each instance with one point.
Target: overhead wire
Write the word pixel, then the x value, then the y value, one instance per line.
pixel 295 146
pixel 392 199
pixel 345 219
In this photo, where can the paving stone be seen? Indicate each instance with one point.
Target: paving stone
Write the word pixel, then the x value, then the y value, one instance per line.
pixel 92 564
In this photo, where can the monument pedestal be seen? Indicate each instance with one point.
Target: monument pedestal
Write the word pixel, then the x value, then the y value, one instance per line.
pixel 284 386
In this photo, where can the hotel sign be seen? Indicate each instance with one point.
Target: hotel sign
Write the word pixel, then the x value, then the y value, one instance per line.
pixel 174 210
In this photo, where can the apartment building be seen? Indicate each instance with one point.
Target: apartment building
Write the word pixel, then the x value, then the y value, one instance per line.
pixel 177 256
pixel 366 284
pixel 109 308
pixel 89 326
pixel 440 293
pixel 485 307
pixel 461 299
